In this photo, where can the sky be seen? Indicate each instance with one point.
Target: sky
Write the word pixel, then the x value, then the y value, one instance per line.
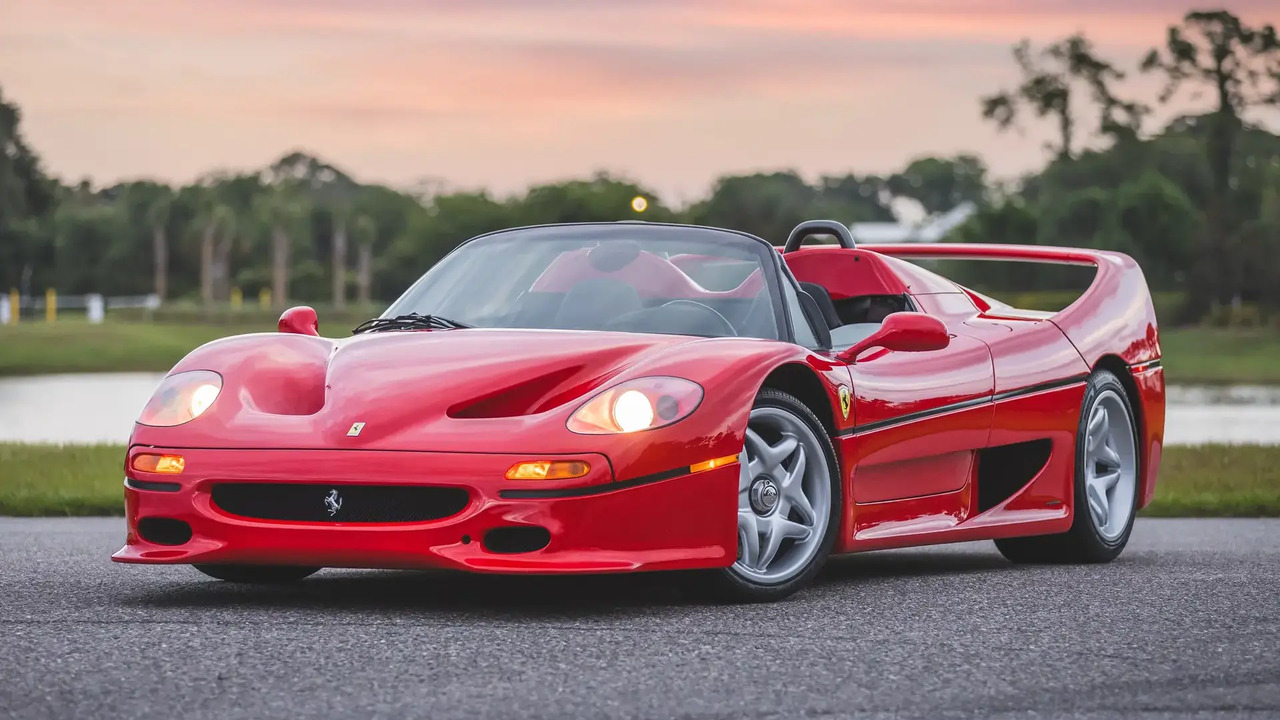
pixel 499 94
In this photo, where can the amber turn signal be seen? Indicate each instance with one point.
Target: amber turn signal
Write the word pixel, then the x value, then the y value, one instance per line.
pixel 713 464
pixel 548 470
pixel 164 464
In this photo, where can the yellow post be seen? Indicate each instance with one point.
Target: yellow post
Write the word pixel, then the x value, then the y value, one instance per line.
pixel 50 305
pixel 14 299
pixel 264 298
pixel 237 298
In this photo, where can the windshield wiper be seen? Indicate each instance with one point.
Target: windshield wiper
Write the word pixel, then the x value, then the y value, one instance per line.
pixel 412 321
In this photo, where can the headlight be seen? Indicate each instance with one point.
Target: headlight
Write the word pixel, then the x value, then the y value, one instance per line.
pixel 635 405
pixel 181 398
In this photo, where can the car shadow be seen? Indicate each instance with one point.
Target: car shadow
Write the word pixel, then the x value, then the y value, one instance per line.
pixel 507 596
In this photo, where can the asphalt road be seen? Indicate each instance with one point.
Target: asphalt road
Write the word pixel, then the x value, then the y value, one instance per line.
pixel 1185 624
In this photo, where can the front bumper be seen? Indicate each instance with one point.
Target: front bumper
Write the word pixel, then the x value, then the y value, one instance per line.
pixel 595 525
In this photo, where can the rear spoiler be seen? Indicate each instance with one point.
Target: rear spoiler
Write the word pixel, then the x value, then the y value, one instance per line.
pixel 1114 315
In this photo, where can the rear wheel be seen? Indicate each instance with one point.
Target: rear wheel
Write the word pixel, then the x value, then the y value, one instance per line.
pixel 788 502
pixel 1106 483
pixel 257 574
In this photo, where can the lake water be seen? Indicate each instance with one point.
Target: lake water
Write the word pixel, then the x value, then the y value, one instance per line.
pixel 102 407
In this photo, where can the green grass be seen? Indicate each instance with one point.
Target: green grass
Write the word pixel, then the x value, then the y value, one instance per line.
pixel 1191 355
pixel 73 345
pixel 1218 481
pixel 1202 481
pixel 48 480
pixel 1221 355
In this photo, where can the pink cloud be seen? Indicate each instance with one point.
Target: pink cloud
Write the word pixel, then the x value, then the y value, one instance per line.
pixel 499 92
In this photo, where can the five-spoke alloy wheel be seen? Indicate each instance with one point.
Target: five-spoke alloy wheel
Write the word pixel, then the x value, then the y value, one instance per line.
pixel 788 497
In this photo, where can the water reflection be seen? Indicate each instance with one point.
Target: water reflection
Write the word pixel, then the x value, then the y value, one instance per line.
pixel 102 407
pixel 81 409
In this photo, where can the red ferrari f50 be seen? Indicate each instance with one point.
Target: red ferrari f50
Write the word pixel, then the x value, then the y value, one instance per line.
pixel 609 397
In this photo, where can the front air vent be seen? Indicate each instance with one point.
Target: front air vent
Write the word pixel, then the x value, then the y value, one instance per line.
pixel 305 502
pixel 516 540
pixel 164 531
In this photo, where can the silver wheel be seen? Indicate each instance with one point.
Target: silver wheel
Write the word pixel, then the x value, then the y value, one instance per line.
pixel 784 497
pixel 1111 467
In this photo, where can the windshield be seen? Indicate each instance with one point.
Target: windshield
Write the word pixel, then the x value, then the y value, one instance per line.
pixel 625 278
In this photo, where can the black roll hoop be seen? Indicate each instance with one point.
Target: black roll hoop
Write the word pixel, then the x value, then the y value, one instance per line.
pixel 809 228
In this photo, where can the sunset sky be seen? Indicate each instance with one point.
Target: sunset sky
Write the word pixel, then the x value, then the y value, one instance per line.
pixel 501 93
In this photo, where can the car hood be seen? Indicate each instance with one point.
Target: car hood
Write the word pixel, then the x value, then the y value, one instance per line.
pixel 473 390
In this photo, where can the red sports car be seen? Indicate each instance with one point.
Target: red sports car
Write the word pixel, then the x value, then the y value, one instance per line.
pixel 613 397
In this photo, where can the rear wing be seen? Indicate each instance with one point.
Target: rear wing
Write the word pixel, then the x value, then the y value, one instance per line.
pixel 1114 315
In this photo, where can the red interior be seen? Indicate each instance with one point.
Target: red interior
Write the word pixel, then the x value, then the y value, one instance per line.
pixel 845 273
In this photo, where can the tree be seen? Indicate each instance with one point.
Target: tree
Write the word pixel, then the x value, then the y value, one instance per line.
pixel 603 198
pixel 1049 80
pixel 940 184
pixel 1242 66
pixel 329 188
pixel 27 200
pixel 365 232
pixel 217 230
pixel 852 198
pixel 158 221
pixel 281 208
pixel 768 206
pixel 1162 226
pixel 148 206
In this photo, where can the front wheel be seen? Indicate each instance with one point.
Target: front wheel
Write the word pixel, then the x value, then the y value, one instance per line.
pixel 257 574
pixel 1106 483
pixel 789 495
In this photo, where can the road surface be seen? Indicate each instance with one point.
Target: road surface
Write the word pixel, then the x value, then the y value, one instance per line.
pixel 1185 624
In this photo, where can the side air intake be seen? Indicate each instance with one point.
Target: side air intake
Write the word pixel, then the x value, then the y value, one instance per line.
pixel 1006 469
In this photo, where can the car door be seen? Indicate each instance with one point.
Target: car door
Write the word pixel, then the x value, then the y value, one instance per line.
pixel 919 419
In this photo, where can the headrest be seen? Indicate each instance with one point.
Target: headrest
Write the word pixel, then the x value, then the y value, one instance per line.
pixel 613 256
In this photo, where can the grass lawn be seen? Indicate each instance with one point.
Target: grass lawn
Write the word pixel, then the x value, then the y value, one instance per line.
pixel 1205 481
pixel 73 345
pixel 1221 355
pixel 1191 355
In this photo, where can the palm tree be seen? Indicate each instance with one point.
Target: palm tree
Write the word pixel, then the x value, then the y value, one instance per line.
pixel 282 208
pixel 366 232
pixel 216 235
pixel 158 220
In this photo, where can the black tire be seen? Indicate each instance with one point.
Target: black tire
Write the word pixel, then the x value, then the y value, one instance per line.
pixel 257 574
pixel 1082 543
pixel 723 584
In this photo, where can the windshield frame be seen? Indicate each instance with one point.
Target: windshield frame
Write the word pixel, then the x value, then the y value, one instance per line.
pixel 768 256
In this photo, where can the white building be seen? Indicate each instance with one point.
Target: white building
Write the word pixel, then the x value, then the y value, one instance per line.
pixel 926 230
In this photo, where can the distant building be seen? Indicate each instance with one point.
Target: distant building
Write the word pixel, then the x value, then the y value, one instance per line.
pixel 927 230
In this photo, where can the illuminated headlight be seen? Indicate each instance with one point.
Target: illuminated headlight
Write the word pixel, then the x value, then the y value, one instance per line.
pixel 636 405
pixel 181 398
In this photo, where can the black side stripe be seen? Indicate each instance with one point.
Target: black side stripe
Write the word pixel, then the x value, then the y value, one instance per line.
pixel 1041 387
pixel 962 405
pixel 594 489
pixel 152 486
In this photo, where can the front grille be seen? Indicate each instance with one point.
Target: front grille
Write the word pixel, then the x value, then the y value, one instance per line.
pixel 338 503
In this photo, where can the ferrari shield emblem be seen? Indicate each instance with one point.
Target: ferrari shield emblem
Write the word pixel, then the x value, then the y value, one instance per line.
pixel 845 400
pixel 355 429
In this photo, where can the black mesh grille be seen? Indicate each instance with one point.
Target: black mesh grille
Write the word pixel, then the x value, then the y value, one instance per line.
pixel 339 503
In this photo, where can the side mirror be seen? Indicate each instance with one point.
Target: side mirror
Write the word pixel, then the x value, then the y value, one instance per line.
pixel 902 332
pixel 300 320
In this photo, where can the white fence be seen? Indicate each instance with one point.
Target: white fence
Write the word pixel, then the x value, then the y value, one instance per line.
pixel 95 306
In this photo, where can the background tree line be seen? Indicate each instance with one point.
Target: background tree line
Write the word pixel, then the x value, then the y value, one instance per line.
pixel 1197 201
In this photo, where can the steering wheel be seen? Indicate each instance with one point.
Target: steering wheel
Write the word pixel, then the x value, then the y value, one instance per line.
pixel 730 330
pixel 810 228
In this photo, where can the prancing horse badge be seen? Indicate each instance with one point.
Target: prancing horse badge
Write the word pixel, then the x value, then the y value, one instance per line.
pixel 845 400
pixel 357 427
